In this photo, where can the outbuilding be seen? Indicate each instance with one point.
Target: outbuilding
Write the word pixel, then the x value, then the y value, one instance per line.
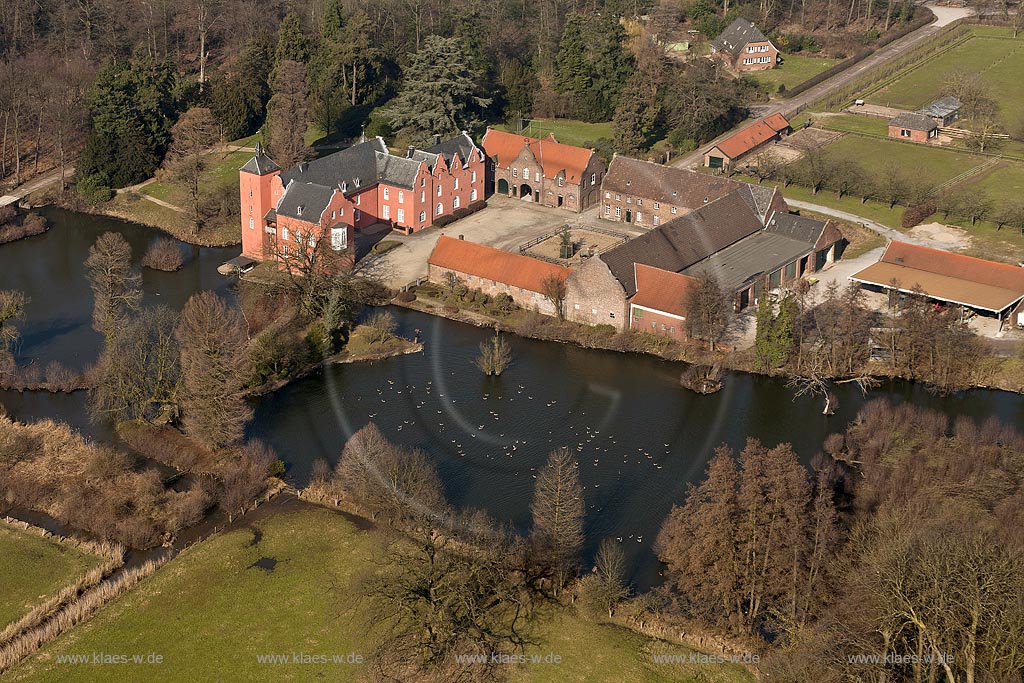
pixel 913 127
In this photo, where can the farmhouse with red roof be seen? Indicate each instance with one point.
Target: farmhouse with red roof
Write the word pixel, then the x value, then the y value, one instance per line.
pixel 746 141
pixel 543 171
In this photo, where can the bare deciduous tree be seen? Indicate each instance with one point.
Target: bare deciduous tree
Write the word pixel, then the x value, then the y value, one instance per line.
pixel 115 284
pixel 192 137
pixel 214 368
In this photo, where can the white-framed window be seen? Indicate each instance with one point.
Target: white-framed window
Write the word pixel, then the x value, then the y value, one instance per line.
pixel 401 215
pixel 440 208
pixel 472 195
pixel 284 234
pixel 607 210
pixel 298 236
pixel 515 172
pixel 439 189
pixel 456 183
pixel 673 209
pixel 423 195
pixel 639 217
pixel 356 215
pixel 401 197
pixel 284 249
pixel 618 212
pixel 536 176
pixel 455 202
pixel 561 181
pixel 904 133
pixel 629 200
pixel 639 202
pixel 657 205
pixel 618 197
pixel 387 193
pixel 526 173
pixel 339 238
pixel 607 195
pixel 473 180
pixel 386 212
pixel 593 179
pixel 657 220
pixel 423 216
pixel 334 214
pixel 252 223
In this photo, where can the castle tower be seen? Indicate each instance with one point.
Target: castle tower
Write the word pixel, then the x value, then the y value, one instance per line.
pixel 255 183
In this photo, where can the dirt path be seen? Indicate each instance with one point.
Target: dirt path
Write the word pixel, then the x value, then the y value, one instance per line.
pixel 25 189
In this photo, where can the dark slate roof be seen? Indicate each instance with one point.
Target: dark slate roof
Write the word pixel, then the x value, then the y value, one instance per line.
pixel 260 164
pixel 758 198
pixel 913 121
pixel 749 259
pixel 736 35
pixel 686 240
pixel 397 171
pixel 305 201
pixel 942 107
pixel 796 227
pixel 461 144
pixel 344 168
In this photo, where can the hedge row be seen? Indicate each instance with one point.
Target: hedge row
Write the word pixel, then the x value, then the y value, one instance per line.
pixel 924 19
pixel 459 213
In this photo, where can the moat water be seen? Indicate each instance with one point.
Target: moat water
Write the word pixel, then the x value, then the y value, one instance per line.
pixel 641 438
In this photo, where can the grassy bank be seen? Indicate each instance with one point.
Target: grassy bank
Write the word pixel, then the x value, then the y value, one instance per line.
pixel 213 611
pixel 568 131
pixel 33 568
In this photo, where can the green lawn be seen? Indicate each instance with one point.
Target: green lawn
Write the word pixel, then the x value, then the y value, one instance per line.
pixel 851 123
pixel 999 62
pixel 33 568
pixel 568 131
pixel 795 68
pixel 1003 184
pixel 874 156
pixel 210 612
pixel 222 171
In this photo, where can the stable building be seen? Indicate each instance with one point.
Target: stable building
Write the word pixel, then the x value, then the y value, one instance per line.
pixel 987 287
pixel 742 47
pixel 943 111
pixel 746 141
pixel 648 194
pixel 544 171
pixel 913 127
pixel 494 272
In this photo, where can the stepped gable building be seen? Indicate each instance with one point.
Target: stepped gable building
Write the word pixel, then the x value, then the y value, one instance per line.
pixel 648 194
pixel 543 171
pixel 742 47
pixel 353 189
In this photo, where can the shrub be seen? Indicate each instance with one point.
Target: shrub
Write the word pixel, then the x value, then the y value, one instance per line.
pixel 461 291
pixel 782 88
pixel 460 213
pixel 504 303
pixel 915 214
pixel 477 205
pixel 406 296
pixel 276 469
pixel 7 214
pixel 95 188
pixel 442 221
pixel 163 254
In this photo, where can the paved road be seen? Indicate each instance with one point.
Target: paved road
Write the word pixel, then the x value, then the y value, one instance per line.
pixel 789 107
pixel 25 189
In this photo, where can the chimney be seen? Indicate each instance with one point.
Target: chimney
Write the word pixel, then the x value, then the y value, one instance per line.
pixel 408 152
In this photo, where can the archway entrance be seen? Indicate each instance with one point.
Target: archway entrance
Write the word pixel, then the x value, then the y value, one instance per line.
pixel 503 187
pixel 526 192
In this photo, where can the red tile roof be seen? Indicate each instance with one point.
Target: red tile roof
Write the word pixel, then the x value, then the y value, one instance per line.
pixel 746 139
pixel 494 264
pixel 661 290
pixel 947 276
pixel 553 156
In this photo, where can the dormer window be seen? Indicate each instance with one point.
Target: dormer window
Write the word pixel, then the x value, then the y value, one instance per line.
pixel 356 181
pixel 629 182
pixel 298 210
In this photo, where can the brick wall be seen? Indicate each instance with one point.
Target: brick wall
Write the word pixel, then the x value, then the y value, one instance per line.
pixel 618 206
pixel 523 297
pixel 595 297
pixel 657 323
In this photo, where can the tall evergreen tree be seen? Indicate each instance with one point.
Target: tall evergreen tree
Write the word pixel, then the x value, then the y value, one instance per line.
pixel 292 42
pixel 288 114
pixel 572 70
pixel 239 99
pixel 437 94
